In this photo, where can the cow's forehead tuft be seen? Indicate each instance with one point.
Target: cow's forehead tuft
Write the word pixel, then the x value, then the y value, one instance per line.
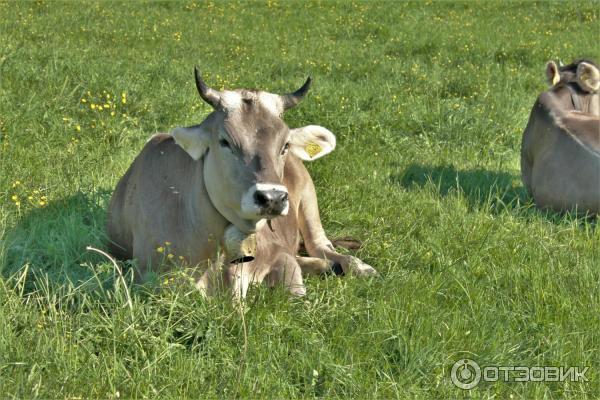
pixel 256 114
pixel 233 101
pixel 271 102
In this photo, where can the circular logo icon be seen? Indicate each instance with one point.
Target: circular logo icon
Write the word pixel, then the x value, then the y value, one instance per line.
pixel 465 374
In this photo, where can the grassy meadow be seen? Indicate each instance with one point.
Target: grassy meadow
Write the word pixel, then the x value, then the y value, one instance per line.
pixel 428 102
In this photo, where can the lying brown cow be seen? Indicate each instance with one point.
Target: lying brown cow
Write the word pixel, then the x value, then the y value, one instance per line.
pixel 560 152
pixel 239 171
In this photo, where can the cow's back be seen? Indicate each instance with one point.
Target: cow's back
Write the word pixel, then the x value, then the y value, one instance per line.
pixel 559 170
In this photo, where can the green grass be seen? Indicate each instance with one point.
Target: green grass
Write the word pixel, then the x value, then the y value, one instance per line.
pixel 428 102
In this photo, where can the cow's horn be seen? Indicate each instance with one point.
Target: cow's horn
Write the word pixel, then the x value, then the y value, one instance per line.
pixel 209 95
pixel 291 99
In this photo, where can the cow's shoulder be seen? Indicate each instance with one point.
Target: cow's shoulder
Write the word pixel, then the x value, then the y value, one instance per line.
pixel 163 160
pixel 584 127
pixel 158 138
pixel 555 103
pixel 161 144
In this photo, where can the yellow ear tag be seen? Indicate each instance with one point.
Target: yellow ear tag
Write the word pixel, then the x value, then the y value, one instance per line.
pixel 312 149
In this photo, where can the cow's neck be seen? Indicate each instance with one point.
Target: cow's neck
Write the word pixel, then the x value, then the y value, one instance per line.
pixel 583 101
pixel 244 225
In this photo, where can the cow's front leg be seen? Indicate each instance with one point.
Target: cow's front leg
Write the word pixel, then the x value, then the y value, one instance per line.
pixel 238 277
pixel 317 266
pixel 317 245
pixel 316 242
pixel 212 279
pixel 350 265
pixel 287 272
pixel 240 251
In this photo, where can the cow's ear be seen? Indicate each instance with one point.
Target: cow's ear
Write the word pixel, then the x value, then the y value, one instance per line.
pixel 311 142
pixel 194 140
pixel 588 77
pixel 552 73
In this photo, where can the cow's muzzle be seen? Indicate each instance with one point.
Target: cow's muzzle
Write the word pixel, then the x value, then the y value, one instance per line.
pixel 271 202
pixel 264 200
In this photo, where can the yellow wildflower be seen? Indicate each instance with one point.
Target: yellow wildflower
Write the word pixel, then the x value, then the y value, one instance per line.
pixel 170 256
pixel 78 128
pixel 83 100
pixel 160 249
pixel 167 243
pixel 15 197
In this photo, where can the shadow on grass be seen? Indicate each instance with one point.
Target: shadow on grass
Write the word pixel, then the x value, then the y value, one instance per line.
pixel 484 189
pixel 51 241
pixel 480 187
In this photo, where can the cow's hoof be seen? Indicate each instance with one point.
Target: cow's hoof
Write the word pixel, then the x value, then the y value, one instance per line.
pixel 298 291
pixel 360 268
pixel 336 269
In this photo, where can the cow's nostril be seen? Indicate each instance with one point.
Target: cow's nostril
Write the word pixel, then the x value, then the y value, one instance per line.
pixel 261 198
pixel 272 202
pixel 283 196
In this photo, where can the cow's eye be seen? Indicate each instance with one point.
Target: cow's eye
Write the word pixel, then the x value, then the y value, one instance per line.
pixel 224 143
pixel 285 149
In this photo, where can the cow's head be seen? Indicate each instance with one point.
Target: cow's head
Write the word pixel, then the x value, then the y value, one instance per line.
pixel 584 73
pixel 244 144
pixel 577 83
